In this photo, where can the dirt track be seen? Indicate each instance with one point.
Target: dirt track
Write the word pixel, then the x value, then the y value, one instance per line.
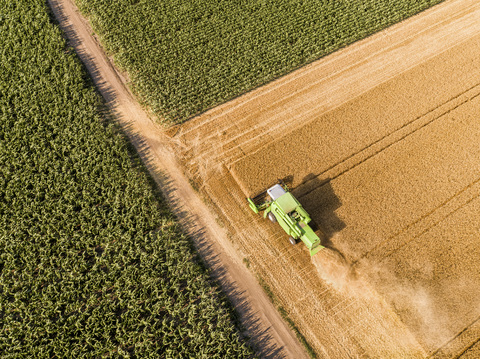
pixel 258 315
pixel 380 143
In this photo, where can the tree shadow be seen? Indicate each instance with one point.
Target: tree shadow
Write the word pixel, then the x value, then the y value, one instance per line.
pixel 93 76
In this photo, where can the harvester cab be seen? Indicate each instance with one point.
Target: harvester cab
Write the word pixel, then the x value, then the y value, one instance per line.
pixel 279 205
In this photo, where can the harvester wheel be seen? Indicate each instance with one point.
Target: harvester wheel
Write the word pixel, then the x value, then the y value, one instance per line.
pixel 292 240
pixel 272 217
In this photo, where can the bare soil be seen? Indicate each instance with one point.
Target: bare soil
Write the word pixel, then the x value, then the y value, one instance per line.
pixel 269 332
pixel 380 142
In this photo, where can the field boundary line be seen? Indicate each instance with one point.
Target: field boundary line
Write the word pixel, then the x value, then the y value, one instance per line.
pixel 327 59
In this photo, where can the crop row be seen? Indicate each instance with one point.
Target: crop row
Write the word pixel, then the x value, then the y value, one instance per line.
pixel 92 262
pixel 184 57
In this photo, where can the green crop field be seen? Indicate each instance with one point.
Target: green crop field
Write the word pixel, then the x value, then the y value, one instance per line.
pixel 92 262
pixel 185 56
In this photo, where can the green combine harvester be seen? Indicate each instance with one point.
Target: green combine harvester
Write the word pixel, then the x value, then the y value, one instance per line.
pixel 282 207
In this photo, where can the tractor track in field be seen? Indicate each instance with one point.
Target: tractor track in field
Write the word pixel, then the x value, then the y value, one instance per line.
pixel 425 223
pixel 366 153
pixel 270 333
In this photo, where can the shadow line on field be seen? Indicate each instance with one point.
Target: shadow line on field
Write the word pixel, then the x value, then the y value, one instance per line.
pixel 59 17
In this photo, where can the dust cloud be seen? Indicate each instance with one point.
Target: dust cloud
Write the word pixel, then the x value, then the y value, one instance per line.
pixel 416 304
pixel 383 331
pixel 337 272
pixel 419 300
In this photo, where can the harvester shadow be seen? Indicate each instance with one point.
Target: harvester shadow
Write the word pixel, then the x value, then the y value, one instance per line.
pixel 320 201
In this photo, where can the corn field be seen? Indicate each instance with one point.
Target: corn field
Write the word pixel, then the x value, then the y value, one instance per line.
pixel 184 57
pixel 92 262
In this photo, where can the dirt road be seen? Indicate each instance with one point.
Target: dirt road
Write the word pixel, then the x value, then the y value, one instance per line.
pixel 380 143
pixel 262 321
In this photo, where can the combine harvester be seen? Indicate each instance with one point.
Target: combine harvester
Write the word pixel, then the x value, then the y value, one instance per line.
pixel 282 207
